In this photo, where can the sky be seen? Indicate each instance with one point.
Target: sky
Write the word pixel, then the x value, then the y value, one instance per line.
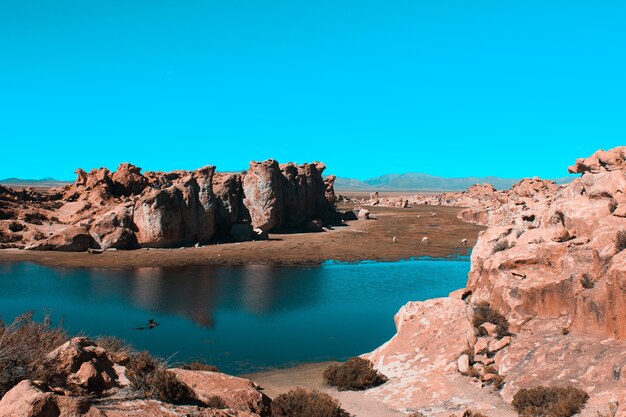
pixel 449 88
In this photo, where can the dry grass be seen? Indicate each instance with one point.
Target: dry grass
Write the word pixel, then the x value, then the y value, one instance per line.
pixel 483 313
pixel 302 403
pixel 149 376
pixel 620 240
pixel 199 366
pixel 586 281
pixel 549 401
pixel 356 374
pixel 23 346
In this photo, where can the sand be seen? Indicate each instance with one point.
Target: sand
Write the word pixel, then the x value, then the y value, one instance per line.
pixel 357 240
pixel 357 403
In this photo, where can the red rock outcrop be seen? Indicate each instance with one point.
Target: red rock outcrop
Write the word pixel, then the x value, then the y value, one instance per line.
pixel 127 209
pixel 553 262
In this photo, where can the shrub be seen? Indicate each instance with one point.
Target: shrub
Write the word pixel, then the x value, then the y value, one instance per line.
pixel 565 331
pixel 24 344
pixel 620 241
pixel 16 227
pixel 302 403
pixel 549 401
pixel 149 376
pixel 113 344
pixel 199 366
pixel 354 375
pixel 470 413
pixel 586 281
pixel 35 218
pixel 483 313
pixel 501 245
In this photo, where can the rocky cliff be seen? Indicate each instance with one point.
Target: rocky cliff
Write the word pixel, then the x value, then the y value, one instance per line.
pixel 128 209
pixel 553 263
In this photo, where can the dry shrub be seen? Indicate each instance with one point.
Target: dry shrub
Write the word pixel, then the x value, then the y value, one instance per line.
pixel 549 401
pixel 302 403
pixel 115 346
pixel 620 240
pixel 470 413
pixel 23 347
pixel 501 246
pixel 354 375
pixel 149 376
pixel 483 313
pixel 586 281
pixel 199 366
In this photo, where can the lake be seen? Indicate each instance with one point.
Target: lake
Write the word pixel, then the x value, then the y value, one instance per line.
pixel 242 319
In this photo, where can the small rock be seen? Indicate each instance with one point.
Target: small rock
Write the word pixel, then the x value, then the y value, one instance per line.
pixel 462 363
pixel 496 344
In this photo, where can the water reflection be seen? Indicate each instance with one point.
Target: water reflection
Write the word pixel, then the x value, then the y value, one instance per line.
pixel 239 318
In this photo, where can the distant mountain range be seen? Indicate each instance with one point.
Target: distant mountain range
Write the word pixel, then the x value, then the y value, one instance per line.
pixel 44 182
pixel 389 182
pixel 424 182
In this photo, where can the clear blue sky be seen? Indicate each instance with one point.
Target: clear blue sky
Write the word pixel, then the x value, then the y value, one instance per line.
pixel 451 88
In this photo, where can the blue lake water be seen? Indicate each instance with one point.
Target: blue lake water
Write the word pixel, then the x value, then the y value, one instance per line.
pixel 242 319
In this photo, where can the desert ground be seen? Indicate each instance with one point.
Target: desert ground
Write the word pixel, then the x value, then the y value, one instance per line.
pixel 356 241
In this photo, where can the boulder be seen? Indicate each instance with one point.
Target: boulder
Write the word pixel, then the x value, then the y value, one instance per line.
pixel 236 393
pixel 70 239
pixel 84 365
pixel 262 187
pixel 127 180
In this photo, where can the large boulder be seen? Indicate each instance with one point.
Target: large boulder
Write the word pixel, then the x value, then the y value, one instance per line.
pixel 236 393
pixel 115 228
pixel 127 180
pixel 262 187
pixel 70 239
pixel 85 366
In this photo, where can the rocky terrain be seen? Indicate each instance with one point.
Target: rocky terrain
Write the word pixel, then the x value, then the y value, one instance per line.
pixel 128 209
pixel 91 381
pixel 552 263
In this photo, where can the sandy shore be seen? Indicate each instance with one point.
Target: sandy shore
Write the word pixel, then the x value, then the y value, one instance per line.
pixel 357 403
pixel 358 240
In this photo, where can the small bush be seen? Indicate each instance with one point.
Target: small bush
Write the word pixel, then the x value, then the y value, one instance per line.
pixel 354 375
pixel 501 245
pixel 483 313
pixel 35 218
pixel 113 344
pixel 302 403
pixel 470 413
pixel 620 241
pixel 24 344
pixel 586 281
pixel 149 376
pixel 16 227
pixel 565 331
pixel 549 401
pixel 199 366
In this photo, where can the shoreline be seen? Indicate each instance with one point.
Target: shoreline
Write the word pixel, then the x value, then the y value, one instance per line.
pixel 357 241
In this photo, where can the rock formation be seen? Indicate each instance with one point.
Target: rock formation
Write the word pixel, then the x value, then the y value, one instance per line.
pixel 127 209
pixel 553 262
pixel 89 381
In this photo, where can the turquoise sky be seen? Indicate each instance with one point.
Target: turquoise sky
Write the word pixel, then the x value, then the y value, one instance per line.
pixel 451 88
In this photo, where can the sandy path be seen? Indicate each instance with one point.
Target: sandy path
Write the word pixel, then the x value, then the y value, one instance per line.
pixel 358 240
pixel 309 376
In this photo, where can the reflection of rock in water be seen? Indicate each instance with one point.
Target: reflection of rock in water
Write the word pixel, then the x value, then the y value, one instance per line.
pixel 188 292
pixel 257 287
pixel 198 292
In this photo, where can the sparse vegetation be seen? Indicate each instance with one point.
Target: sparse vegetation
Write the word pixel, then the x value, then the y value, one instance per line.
pixel 354 375
pixel 302 403
pixel 149 376
pixel 35 218
pixel 469 413
pixel 483 313
pixel 620 241
pixel 199 366
pixel 586 281
pixel 549 401
pixel 497 381
pixel 24 345
pixel 501 246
